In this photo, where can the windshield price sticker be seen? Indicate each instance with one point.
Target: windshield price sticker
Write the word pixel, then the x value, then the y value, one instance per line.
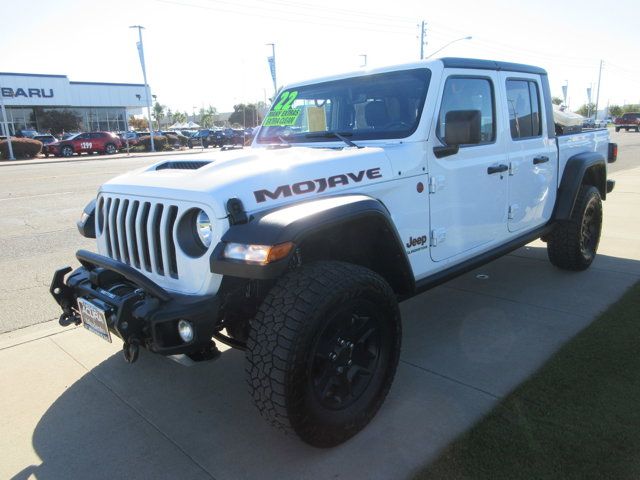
pixel 283 118
pixel 282 115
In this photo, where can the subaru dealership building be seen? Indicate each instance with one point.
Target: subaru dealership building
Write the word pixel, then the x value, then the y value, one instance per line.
pixel 28 99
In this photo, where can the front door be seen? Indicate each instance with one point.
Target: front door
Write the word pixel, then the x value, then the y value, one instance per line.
pixel 82 143
pixel 533 158
pixel 468 190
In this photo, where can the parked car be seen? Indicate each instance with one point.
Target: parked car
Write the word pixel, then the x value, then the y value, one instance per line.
pixel 202 138
pixel 234 137
pixel 593 123
pixel 132 137
pixel 26 133
pixel 628 121
pixel 46 139
pixel 68 135
pixel 299 256
pixel 101 142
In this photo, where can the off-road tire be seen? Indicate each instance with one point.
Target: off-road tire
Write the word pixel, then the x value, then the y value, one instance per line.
pixel 284 345
pixel 572 245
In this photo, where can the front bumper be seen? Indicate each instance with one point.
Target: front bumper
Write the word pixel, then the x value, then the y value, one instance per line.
pixel 139 311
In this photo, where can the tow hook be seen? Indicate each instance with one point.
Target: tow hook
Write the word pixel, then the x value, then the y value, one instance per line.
pixel 67 319
pixel 131 349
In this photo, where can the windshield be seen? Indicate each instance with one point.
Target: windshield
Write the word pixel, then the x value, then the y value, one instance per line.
pixel 385 105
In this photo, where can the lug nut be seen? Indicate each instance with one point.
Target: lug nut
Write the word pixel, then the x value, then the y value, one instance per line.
pixel 349 363
pixel 333 356
pixel 341 342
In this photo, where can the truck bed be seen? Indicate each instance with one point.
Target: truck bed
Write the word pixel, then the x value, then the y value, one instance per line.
pixel 575 143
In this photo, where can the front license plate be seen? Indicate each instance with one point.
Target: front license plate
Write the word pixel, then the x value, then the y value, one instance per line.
pixel 94 319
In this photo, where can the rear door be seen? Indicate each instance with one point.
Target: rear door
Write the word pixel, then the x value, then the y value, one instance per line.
pixel 533 158
pixel 468 190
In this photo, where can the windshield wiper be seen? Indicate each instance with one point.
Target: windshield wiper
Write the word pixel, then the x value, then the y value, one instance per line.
pixel 340 136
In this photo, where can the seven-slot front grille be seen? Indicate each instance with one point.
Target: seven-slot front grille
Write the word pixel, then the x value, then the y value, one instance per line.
pixel 139 233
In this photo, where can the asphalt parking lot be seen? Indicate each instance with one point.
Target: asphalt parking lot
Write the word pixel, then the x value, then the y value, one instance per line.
pixel 78 411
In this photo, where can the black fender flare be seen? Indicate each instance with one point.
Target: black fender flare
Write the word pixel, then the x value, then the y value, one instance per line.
pixel 588 166
pixel 300 221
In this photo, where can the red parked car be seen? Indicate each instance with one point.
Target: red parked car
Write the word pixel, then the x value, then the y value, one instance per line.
pixel 101 142
pixel 628 121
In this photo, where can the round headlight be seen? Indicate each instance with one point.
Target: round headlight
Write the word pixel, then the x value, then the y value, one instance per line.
pixel 203 228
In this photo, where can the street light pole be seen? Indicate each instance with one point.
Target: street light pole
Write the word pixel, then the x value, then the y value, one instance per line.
pixel 5 126
pixel 146 85
pixel 445 46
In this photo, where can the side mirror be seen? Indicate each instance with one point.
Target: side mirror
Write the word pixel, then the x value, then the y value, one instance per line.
pixel 461 127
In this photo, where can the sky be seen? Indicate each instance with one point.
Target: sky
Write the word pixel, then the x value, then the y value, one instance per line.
pixel 214 52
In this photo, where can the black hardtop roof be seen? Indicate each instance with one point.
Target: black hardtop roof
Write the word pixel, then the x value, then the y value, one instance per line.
pixel 455 62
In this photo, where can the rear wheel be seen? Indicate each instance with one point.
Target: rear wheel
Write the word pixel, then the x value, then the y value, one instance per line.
pixel 110 149
pixel 323 350
pixel 617 129
pixel 573 244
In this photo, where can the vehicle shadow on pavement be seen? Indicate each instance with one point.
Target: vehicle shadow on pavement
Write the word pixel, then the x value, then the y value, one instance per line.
pixel 466 344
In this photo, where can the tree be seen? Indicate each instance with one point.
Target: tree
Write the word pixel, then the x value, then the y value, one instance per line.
pixel 58 121
pixel 246 115
pixel 615 110
pixel 587 109
pixel 556 101
pixel 179 117
pixel 138 123
pixel 158 113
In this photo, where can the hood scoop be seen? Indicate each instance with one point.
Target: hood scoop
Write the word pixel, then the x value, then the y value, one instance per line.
pixel 182 165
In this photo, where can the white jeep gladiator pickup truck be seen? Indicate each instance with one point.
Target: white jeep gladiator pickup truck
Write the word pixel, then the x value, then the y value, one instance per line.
pixel 359 191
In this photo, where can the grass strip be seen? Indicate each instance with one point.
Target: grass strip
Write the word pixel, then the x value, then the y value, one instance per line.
pixel 578 417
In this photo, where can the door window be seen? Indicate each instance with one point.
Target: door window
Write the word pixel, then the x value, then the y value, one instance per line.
pixel 469 94
pixel 523 101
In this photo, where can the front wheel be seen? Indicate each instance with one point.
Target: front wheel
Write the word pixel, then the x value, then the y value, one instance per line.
pixel 323 350
pixel 573 244
pixel 66 151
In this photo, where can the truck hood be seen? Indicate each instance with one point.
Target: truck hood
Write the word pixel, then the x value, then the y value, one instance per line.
pixel 260 177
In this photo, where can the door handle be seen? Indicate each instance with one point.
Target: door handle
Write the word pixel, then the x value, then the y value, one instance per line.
pixel 497 168
pixel 540 159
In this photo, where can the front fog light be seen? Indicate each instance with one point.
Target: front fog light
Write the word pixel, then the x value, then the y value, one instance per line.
pixel 185 330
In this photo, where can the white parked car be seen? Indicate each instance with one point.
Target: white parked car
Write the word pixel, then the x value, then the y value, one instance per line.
pixel 361 190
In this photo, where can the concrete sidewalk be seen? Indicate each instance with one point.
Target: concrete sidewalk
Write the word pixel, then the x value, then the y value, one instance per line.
pixel 72 408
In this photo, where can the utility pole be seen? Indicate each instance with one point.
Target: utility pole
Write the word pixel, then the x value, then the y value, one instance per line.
pixel 598 91
pixel 423 39
pixel 146 85
pixel 272 67
pixel 5 125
